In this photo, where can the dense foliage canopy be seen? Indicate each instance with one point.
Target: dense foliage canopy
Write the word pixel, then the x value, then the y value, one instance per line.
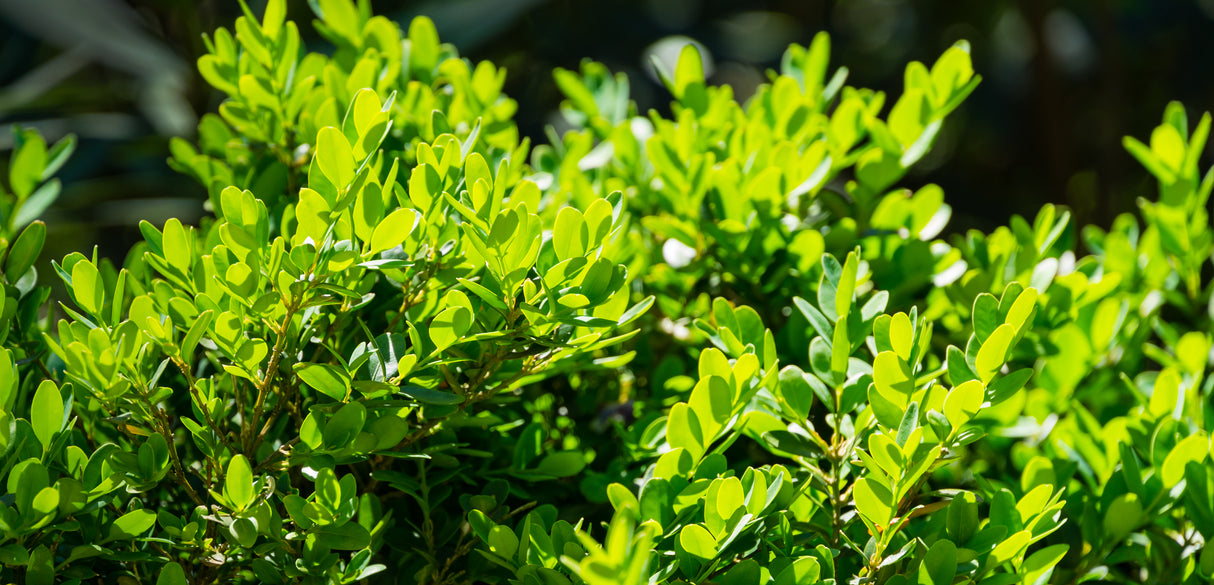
pixel 720 347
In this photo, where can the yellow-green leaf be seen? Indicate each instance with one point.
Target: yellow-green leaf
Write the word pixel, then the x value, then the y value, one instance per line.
pixel 993 353
pixel 1193 449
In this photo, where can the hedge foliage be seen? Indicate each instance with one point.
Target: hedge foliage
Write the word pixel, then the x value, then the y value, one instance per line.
pixel 721 347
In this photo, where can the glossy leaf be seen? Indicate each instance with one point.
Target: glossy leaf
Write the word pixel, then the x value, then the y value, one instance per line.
pixel 46 413
pixel 238 483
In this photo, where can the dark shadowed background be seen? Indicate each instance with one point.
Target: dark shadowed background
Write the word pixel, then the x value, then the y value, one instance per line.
pixel 1063 82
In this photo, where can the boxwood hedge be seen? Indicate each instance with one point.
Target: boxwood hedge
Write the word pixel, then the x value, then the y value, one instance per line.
pixel 723 346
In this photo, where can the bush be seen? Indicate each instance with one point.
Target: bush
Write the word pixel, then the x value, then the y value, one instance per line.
pixel 717 348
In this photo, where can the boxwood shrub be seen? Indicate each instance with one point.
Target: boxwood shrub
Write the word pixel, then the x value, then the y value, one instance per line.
pixel 720 347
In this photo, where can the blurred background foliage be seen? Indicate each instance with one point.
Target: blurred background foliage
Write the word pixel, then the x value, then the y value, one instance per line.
pixel 1064 81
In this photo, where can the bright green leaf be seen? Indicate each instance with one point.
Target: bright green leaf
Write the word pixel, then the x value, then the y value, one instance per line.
pixel 892 374
pixel 963 402
pixel 87 287
pixel 994 352
pixel 324 378
pixel 393 230
pixel 448 326
pixel 335 157
pixel 46 413
pixel 131 525
pixel 238 483
pixel 1193 449
pixel 874 501
pixel 696 541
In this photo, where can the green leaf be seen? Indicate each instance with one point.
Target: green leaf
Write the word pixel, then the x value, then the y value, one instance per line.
pixel 683 430
pixel 634 312
pixel 840 351
pixel 1206 562
pixel 341 16
pixel 343 427
pixel 725 498
pixel 87 287
pixel 575 90
pixel 1007 386
pixel 963 403
pixel 688 70
pixel 902 335
pixel 257 92
pixel 1020 315
pixel 985 315
pixel 910 421
pixel 177 246
pixel 1193 449
pixel 448 326
pixel 24 251
pixel 795 391
pixel 41 567
pixel 1011 547
pixel 46 413
pixel 309 432
pixel 273 17
pixel 58 155
pixel 172 574
pixel 195 332
pixel 335 157
pixel 993 352
pixel 37 203
pixel 908 118
pixel 792 443
pixel 962 517
pixel 803 571
pixel 887 412
pixel 891 374
pixel 425 185
pixel 570 235
pixel 874 501
pixel 25 169
pixel 1192 351
pixel 238 483
pixel 393 230
pixel 324 378
pixel 1038 567
pixel 429 396
pixel 697 541
pixel 1168 145
pixel 45 502
pixel 1166 393
pixel 815 317
pixel 8 380
pixel 622 497
pixel 217 73
pixel 940 564
pixel 502 541
pixel 243 531
pixel 328 489
pixel 887 453
pixel 744 572
pixel 562 464
pixel 348 536
pixel 423 47
pixel 14 555
pixel 1122 516
pixel 959 370
pixel 712 401
pixel 131 525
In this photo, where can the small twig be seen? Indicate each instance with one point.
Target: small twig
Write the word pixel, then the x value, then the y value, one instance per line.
pixel 196 394
pixel 263 388
pixel 281 452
